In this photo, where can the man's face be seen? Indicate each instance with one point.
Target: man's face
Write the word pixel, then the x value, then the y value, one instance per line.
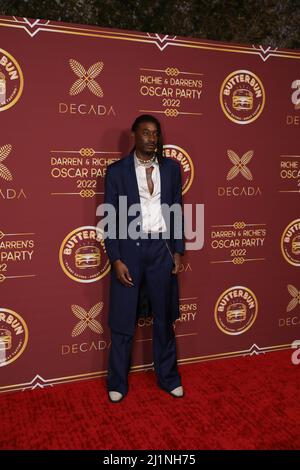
pixel 146 138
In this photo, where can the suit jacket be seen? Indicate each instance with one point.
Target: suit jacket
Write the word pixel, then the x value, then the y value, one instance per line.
pixel 121 181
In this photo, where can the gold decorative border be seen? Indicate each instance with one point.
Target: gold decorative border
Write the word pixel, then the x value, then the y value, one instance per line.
pixel 254 315
pixel 17 97
pixel 289 190
pixel 238 225
pixel 61 260
pixel 191 163
pixel 26 335
pixel 282 243
pixel 161 41
pixel 2 276
pixel 254 350
pixel 11 22
pixel 226 113
pixel 84 152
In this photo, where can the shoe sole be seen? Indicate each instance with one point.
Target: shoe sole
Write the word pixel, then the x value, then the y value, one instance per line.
pixel 168 391
pixel 116 401
pixel 176 396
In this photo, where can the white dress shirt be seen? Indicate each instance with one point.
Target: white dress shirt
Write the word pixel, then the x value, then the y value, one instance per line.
pixel 152 217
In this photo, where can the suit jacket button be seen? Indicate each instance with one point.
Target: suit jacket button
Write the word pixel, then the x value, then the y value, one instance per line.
pixel 137 244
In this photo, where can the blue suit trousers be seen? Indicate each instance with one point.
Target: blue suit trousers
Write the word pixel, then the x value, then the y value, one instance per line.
pixel 156 264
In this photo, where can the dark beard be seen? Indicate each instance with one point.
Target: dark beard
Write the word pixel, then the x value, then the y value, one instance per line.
pixel 149 153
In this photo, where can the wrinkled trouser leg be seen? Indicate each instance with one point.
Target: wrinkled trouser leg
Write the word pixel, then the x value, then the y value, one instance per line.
pixel 158 285
pixel 119 362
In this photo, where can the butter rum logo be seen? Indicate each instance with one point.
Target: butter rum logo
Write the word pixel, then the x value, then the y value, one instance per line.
pixel 4 171
pixel 86 78
pixel 295 297
pixel 87 319
pixel 239 165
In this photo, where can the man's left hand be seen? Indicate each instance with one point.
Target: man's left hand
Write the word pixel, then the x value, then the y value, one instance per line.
pixel 177 261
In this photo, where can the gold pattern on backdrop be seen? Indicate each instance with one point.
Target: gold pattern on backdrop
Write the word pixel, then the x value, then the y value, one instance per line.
pixel 86 78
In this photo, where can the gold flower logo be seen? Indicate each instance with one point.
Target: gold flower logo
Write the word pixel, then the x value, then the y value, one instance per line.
pixel 86 78
pixel 4 171
pixel 239 165
pixel 296 297
pixel 87 319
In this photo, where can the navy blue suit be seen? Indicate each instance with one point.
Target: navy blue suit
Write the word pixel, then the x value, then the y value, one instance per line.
pixel 150 261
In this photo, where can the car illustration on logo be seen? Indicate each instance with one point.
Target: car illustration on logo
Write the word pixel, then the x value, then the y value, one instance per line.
pixel 236 313
pixel 5 339
pixel 87 257
pixel 296 245
pixel 242 99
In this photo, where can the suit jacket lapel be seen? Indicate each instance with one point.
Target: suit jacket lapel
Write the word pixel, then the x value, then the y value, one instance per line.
pixel 131 181
pixel 163 182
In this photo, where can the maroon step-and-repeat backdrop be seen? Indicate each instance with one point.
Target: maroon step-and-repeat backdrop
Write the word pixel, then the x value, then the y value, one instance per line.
pixel 231 118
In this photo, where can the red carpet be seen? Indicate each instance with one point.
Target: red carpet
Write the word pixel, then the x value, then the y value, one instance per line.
pixel 242 403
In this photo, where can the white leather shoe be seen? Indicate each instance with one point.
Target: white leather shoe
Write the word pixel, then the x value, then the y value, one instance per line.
pixel 177 392
pixel 115 396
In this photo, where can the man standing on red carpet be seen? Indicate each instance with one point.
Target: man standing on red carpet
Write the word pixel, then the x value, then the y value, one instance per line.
pixel 148 254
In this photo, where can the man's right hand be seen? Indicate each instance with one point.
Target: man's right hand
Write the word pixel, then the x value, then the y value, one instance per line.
pixel 122 273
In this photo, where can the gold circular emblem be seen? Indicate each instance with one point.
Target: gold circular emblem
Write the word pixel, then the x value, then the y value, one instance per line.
pixel 186 163
pixel 82 255
pixel 242 97
pixel 236 310
pixel 11 80
pixel 13 336
pixel 290 243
